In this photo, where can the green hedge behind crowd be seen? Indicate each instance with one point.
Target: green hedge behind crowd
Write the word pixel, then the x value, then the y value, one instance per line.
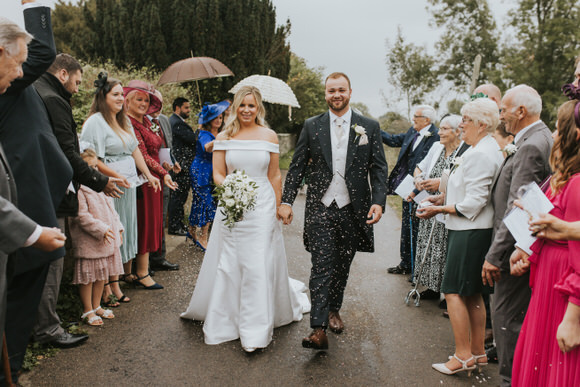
pixel 83 99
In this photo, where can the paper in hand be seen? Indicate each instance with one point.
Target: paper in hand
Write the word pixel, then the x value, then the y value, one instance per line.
pixel 535 202
pixel 405 187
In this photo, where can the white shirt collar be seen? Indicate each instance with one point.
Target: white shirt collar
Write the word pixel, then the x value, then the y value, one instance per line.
pixel 424 131
pixel 523 131
pixel 346 116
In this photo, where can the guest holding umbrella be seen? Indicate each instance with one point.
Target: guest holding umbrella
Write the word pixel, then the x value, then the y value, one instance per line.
pixel 211 119
pixel 140 100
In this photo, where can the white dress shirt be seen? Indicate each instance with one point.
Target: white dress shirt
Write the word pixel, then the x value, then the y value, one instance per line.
pixel 337 190
pixel 422 133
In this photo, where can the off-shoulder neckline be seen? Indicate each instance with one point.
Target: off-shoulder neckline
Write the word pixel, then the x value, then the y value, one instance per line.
pixel 266 141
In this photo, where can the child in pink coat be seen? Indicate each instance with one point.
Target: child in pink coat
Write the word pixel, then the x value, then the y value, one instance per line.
pixel 96 235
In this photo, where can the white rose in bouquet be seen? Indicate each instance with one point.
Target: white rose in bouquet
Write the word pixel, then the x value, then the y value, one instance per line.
pixel 236 195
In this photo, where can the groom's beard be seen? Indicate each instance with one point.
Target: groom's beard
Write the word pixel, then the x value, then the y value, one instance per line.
pixel 337 105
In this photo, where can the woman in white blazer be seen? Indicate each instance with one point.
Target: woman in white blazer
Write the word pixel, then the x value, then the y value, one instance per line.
pixel 469 220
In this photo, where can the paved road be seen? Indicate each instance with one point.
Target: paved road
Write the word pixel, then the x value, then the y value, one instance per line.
pixel 385 342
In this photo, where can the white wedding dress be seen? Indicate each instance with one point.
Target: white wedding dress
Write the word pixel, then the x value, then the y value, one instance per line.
pixel 243 289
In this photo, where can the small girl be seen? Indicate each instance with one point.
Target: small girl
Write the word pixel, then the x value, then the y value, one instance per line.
pixel 96 235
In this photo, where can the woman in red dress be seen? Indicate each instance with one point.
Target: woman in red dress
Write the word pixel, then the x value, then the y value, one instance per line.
pixel 554 273
pixel 140 100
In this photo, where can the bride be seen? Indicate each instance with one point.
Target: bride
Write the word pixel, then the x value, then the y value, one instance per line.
pixel 243 289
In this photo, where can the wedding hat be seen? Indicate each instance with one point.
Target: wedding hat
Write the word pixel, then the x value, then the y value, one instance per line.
pixel 210 112
pixel 144 87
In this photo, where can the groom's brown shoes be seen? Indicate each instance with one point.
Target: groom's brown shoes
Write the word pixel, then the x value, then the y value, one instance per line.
pixel 316 340
pixel 335 322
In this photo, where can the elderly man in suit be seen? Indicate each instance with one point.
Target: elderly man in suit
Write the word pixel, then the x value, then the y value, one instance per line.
pixel 520 110
pixel 16 229
pixel 184 139
pixel 42 174
pixel 344 152
pixel 157 259
pixel 415 145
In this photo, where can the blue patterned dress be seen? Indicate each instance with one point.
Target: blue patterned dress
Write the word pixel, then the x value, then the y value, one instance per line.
pixel 203 205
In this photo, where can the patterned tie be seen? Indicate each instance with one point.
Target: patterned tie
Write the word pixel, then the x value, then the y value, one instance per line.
pixel 339 130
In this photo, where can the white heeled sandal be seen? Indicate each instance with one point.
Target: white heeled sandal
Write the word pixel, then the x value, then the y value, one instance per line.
pixel 479 364
pixel 441 367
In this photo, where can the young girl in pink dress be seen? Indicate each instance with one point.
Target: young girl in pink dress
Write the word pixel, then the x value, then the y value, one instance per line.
pixel 96 238
pixel 554 273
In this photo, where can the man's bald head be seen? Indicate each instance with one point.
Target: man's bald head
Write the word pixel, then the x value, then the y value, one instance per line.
pixel 492 91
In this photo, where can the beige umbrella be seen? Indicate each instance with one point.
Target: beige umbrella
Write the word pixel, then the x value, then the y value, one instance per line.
pixel 273 90
pixel 194 69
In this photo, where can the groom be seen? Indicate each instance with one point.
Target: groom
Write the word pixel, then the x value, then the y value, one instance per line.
pixel 344 151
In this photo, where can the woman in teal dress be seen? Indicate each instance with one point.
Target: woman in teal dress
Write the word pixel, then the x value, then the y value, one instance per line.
pixel 108 132
pixel 203 205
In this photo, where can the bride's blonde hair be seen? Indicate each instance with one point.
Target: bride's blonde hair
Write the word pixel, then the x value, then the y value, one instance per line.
pixel 232 126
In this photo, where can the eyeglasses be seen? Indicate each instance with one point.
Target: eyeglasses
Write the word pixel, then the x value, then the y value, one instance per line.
pixel 416 116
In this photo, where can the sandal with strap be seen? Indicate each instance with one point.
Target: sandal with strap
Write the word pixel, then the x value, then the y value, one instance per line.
pixel 129 279
pixel 155 286
pixel 123 298
pixel 441 367
pixel 111 302
pixel 95 321
pixel 107 313
pixel 479 364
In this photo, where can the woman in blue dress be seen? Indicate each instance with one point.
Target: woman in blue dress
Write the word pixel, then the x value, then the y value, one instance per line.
pixel 203 205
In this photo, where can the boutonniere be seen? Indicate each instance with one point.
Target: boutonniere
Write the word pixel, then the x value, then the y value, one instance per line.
pixel 509 150
pixel 362 133
pixel 456 162
pixel 154 128
pixel 428 134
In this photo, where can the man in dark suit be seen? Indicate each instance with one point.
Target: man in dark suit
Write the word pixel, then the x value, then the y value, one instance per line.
pixel 415 145
pixel 520 111
pixel 343 151
pixel 56 88
pixel 42 175
pixel 184 139
pixel 16 229
pixel 157 259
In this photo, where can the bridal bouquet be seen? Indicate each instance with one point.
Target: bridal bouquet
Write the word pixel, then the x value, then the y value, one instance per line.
pixel 236 195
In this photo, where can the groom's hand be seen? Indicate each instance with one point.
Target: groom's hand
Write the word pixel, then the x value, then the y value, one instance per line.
pixel 285 213
pixel 374 214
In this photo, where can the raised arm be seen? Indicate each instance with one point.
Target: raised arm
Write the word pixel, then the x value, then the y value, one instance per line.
pixel 41 50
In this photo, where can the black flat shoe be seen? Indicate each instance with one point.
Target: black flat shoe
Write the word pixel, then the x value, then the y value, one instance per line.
pixel 68 340
pixel 180 232
pixel 429 295
pixel 164 265
pixel 398 270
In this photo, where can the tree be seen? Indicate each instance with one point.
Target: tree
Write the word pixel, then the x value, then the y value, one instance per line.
pixel 362 108
pixel 548 40
pixel 242 34
pixel 411 70
pixel 469 30
pixel 308 85
pixel 394 123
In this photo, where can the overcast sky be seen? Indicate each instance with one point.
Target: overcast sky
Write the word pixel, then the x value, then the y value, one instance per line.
pixel 347 36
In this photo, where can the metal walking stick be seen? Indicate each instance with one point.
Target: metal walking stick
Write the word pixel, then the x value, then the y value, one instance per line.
pixel 414 291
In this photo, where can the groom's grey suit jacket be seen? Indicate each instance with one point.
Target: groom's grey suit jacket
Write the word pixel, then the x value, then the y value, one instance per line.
pixel 364 164
pixel 530 163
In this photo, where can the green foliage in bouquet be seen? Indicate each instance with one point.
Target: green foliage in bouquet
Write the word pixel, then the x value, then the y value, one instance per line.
pixel 236 196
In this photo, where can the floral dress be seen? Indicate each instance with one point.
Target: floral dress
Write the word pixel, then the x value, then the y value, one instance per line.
pixel 432 272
